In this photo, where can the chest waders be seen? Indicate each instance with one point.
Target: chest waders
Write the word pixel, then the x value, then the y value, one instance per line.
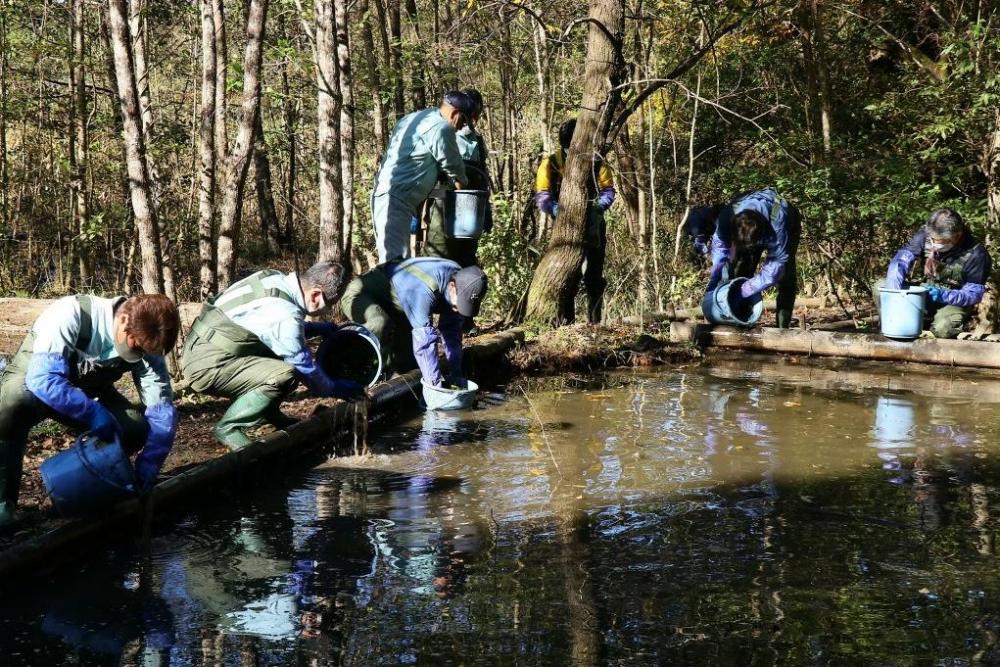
pixel 224 359
pixel 20 410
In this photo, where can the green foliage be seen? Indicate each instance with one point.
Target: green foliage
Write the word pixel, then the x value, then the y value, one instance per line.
pixel 507 258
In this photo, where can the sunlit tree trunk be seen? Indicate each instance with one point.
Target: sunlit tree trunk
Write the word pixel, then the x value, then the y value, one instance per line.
pixel 418 81
pixel 265 194
pixel 372 74
pixel 140 184
pixel 239 159
pixel 4 176
pixel 221 67
pixel 396 58
pixel 206 149
pixel 347 147
pixel 331 203
pixel 291 136
pixel 79 139
pixel 550 298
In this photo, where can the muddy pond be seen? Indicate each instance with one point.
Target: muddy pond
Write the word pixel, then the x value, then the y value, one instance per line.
pixel 743 513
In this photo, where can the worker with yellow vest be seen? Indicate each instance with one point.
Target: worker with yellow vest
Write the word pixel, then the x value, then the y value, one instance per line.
pixel 601 194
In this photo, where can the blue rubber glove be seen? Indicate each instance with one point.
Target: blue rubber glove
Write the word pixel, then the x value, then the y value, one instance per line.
pixel 103 424
pixel 899 267
pixel 934 294
pixel 162 420
pixel 324 329
pixel 414 225
pixel 605 199
pixel 425 340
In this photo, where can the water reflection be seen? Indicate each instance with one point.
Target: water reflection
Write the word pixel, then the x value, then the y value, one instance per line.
pixel 687 516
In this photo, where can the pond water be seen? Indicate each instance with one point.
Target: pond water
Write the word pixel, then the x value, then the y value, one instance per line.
pixel 747 514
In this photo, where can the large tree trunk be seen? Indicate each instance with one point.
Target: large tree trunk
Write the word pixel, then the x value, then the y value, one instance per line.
pixel 221 67
pixel 206 147
pixel 265 195
pixel 347 148
pixel 331 203
pixel 140 185
pixel 239 159
pixel 555 283
pixel 78 140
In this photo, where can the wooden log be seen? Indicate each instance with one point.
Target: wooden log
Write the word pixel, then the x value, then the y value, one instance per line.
pixel 305 436
pixel 681 314
pixel 972 354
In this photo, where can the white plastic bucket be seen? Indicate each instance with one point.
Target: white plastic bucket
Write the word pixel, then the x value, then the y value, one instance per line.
pixel 717 308
pixel 465 213
pixel 902 311
pixel 443 398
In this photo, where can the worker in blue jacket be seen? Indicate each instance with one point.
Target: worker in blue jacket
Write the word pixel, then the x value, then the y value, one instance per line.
pixel 751 224
pixel 66 369
pixel 397 302
pixel 955 269
pixel 250 344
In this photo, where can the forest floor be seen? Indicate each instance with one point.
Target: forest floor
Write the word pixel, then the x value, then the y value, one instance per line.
pixel 576 348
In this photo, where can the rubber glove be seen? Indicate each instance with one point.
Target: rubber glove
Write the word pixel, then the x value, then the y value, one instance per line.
pixel 899 267
pixel 323 385
pixel 414 225
pixel 162 420
pixel 450 326
pixel 324 329
pixel 544 202
pixel 934 294
pixel 103 424
pixel 425 341
pixel 48 379
pixel 715 277
pixel 605 199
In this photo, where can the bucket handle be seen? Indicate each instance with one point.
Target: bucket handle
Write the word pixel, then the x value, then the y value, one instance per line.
pixel 82 453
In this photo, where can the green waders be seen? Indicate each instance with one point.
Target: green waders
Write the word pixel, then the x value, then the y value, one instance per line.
pixel 21 411
pixel 746 265
pixel 369 299
pixel 223 359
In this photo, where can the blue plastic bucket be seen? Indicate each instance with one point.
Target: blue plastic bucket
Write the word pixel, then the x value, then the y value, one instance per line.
pixel 465 213
pixel 353 354
pixel 718 308
pixel 902 311
pixel 89 476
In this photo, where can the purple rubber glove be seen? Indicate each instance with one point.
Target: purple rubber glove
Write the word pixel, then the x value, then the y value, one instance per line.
pixel 425 340
pixel 450 327
pixel 715 277
pixel 970 295
pixel 605 199
pixel 768 276
pixel 48 379
pixel 103 424
pixel 162 420
pixel 899 268
pixel 545 202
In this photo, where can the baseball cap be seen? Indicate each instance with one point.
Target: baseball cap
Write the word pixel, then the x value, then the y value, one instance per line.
pixel 460 101
pixel 471 285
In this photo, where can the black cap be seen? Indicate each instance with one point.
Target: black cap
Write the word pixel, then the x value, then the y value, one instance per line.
pixel 471 285
pixel 477 99
pixel 460 101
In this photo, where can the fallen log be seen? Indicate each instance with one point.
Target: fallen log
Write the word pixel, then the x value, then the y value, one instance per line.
pixel 834 344
pixel 681 314
pixel 308 435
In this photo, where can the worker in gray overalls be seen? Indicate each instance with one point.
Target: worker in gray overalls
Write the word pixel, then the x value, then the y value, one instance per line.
pixel 249 344
pixel 66 369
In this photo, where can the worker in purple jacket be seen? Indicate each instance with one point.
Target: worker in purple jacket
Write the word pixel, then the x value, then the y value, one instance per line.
pixel 954 270
pixel 751 224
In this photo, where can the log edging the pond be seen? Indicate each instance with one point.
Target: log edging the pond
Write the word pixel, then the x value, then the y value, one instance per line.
pixel 310 434
pixel 971 354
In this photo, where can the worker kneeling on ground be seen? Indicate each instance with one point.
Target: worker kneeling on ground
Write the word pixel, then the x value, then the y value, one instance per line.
pixel 751 224
pixel 397 302
pixel 66 369
pixel 955 269
pixel 249 344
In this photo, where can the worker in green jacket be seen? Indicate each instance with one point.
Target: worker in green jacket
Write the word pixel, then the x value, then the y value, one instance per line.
pixel 472 148
pixel 249 344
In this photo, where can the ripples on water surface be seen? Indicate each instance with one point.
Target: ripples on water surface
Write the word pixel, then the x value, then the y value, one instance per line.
pixel 696 516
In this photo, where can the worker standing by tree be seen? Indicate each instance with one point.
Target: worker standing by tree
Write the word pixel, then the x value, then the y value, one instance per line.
pixel 397 302
pixel 472 147
pixel 753 223
pixel 249 344
pixel 601 194
pixel 955 269
pixel 422 147
pixel 66 369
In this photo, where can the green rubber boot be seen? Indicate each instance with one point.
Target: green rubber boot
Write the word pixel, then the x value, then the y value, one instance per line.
pixel 249 410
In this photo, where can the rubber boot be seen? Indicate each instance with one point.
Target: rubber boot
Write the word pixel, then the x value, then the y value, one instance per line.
pixel 249 410
pixel 784 317
pixel 8 520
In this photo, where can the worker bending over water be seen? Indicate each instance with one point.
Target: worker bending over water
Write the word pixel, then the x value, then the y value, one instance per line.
pixel 397 302
pixel 249 344
pixel 751 224
pixel 66 369
pixel 422 147
pixel 955 267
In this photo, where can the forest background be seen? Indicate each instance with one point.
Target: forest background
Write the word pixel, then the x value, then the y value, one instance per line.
pixel 171 145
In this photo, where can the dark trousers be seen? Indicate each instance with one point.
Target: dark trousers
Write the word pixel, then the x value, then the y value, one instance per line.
pixel 788 286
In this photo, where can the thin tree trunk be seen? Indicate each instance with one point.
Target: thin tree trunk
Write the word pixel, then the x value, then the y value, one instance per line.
pixel 221 67
pixel 347 147
pixel 239 159
pixel 418 81
pixel 140 186
pixel 4 174
pixel 291 123
pixel 550 298
pixel 825 94
pixel 206 148
pixel 119 125
pixel 381 126
pixel 78 140
pixel 396 58
pixel 265 195
pixel 331 203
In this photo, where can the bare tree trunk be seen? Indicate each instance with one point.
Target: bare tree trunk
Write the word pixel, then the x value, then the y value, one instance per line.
pixel 291 123
pixel 331 203
pixel 826 108
pixel 550 298
pixel 206 197
pixel 221 68
pixel 140 186
pixel 4 177
pixel 396 58
pixel 78 140
pixel 381 127
pixel 418 81
pixel 265 195
pixel 347 147
pixel 239 159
